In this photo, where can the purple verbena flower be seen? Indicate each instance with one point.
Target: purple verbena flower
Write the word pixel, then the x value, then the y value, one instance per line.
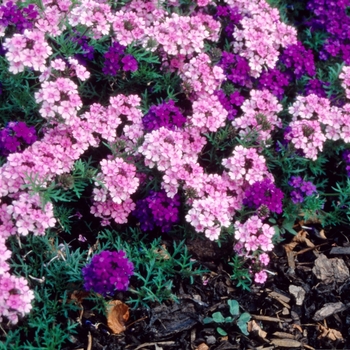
pixel 108 272
pixel 264 193
pixel 129 63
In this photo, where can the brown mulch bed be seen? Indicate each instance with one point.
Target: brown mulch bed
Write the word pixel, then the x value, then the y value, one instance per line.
pixel 303 305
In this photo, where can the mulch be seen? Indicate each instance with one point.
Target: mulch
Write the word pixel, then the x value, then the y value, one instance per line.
pixel 303 305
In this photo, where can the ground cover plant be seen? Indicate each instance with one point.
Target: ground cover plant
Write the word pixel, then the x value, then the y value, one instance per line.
pixel 131 129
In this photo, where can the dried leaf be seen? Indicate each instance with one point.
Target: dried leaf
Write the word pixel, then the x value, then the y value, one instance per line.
pixel 117 315
pixel 202 346
pixel 330 333
pixel 252 326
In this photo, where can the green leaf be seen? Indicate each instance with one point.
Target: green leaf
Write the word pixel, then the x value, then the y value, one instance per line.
pixel 218 318
pixel 207 320
pixel 288 225
pixel 221 331
pixel 242 322
pixel 234 307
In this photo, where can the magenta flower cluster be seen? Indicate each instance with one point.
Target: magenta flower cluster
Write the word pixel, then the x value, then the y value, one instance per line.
pixel 331 17
pixel 301 188
pixel 14 136
pixel 157 210
pixel 116 59
pixel 165 114
pixel 21 19
pixel 264 193
pixel 346 157
pixel 108 272
pixel 299 60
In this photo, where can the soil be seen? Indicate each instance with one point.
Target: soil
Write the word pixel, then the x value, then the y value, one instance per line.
pixel 303 305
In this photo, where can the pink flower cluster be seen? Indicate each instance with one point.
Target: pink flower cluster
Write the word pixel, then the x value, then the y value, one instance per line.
pixel 199 77
pixel 262 34
pixel 30 216
pixel 114 185
pixel 95 15
pixel 117 180
pixel 312 112
pixel 16 297
pixel 259 114
pixel 29 49
pixel 245 164
pixel 60 99
pixel 254 234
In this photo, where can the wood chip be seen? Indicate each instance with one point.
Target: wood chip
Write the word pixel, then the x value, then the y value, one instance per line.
pixel 286 343
pixel 329 270
pixel 283 335
pixel 202 346
pixel 299 294
pixel 328 310
pixel 340 251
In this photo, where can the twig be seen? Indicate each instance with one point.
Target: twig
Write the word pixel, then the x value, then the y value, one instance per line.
pixel 156 343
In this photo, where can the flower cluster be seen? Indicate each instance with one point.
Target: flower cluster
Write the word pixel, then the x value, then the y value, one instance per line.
pixel 259 114
pixel 29 49
pixel 346 157
pixel 108 272
pixel 112 201
pixel 261 36
pixel 299 60
pixel 254 234
pixel 157 209
pixel 331 17
pixel 230 103
pixel 236 69
pixel 60 99
pixel 274 81
pixel 29 217
pixel 301 188
pixel 165 114
pixel 115 59
pixel 16 297
pixel 264 193
pixel 15 135
pixel 21 19
pixel 230 16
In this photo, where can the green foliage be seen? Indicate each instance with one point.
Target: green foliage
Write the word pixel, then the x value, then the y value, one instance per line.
pixel 156 267
pixel 240 273
pixel 237 318
pixel 54 272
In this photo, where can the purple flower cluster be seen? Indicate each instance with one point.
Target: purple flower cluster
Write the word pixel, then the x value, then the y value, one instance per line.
pixel 166 115
pixel 299 60
pixel 236 69
pixel 14 135
pixel 108 272
pixel 274 81
pixel 157 210
pixel 115 59
pixel 302 188
pixel 264 193
pixel 331 17
pixel 82 40
pixel 346 157
pixel 230 16
pixel 228 102
pixel 315 86
pixel 20 19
